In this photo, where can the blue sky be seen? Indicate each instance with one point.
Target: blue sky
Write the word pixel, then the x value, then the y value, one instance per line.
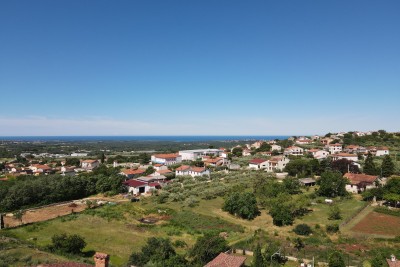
pixel 198 67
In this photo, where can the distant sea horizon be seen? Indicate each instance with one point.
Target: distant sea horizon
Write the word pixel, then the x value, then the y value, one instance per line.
pixel 171 138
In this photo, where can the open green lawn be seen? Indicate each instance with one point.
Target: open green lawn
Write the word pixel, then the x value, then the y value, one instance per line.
pixel 116 230
pixel 320 212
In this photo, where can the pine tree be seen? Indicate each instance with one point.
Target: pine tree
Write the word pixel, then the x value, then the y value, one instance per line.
pixel 258 260
pixel 369 165
pixel 387 166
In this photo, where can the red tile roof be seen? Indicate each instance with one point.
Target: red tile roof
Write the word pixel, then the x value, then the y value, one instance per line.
pixel 356 178
pixel 257 161
pixel 197 169
pixel 183 168
pixel 166 156
pixel 345 155
pixel 226 260
pixel 134 183
pixel 164 171
pixel 89 160
pixel 132 172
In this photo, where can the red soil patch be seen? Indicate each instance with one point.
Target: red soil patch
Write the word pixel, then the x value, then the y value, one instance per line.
pixel 352 248
pixel 379 223
pixel 43 214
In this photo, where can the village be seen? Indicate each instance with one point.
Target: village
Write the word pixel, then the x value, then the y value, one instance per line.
pixel 165 177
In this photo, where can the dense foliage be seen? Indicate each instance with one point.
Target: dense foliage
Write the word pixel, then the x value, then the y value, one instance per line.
pixel 157 252
pixel 332 184
pixel 27 191
pixel 243 205
pixel 71 244
pixel 302 229
pixel 207 248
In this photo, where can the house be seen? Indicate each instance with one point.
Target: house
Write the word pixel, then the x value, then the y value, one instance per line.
pixel 166 159
pixel 79 154
pixel 276 147
pixel 265 153
pixel 334 148
pixel 137 187
pixel 159 167
pixel 382 151
pixel 233 166
pixel 227 260
pixel 360 182
pixel 257 164
pixel 130 173
pixel 318 153
pixel 216 161
pixel 393 262
pixel 352 157
pixel 277 163
pixel 315 137
pixel 192 171
pixel 303 141
pixel 90 164
pixel 40 168
pixel 307 181
pixel 199 153
pixel 355 149
pixel 293 150
pixel 162 172
pixel 68 170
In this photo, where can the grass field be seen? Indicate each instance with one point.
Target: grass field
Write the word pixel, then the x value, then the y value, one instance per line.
pixel 116 230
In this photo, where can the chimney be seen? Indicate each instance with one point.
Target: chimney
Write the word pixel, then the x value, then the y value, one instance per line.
pixel 101 259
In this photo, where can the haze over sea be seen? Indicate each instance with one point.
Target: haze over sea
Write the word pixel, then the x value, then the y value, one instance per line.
pixel 171 138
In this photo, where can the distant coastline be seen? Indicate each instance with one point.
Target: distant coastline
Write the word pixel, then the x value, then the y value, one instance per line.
pixel 177 138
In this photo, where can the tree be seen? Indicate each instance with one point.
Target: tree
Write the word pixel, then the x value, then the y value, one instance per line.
pixel 344 166
pixel 292 186
pixel 237 151
pixel 72 162
pixel 72 244
pixel 264 147
pixel 302 229
pixel 334 213
pixel 332 184
pixel 102 157
pixel 243 205
pixel 281 214
pixel 159 251
pixel 387 166
pixel 336 259
pixel 258 260
pixel 207 248
pixel 369 165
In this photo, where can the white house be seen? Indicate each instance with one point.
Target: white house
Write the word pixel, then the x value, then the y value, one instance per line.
pixel 276 163
pixel 334 148
pixel 352 157
pixel 39 168
pixel 360 182
pixel 192 171
pixel 257 164
pixel 246 152
pixel 382 151
pixel 293 150
pixel 318 153
pixel 199 153
pixel 166 159
pixel 90 164
pixel 276 147
pixel 137 187
pixel 79 154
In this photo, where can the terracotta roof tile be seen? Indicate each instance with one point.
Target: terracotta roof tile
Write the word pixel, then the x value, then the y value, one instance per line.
pixel 226 260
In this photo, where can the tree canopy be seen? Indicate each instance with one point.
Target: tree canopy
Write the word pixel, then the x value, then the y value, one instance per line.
pixel 332 184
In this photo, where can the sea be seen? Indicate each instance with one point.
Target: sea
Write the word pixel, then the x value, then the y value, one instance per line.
pixel 170 138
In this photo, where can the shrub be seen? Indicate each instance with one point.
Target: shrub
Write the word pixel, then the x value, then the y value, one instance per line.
pixel 72 244
pixel 332 228
pixel 302 229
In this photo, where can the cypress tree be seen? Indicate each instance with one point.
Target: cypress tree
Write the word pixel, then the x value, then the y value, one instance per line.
pixel 387 166
pixel 258 260
pixel 369 165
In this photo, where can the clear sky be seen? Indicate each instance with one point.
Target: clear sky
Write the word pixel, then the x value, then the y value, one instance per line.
pixel 209 67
